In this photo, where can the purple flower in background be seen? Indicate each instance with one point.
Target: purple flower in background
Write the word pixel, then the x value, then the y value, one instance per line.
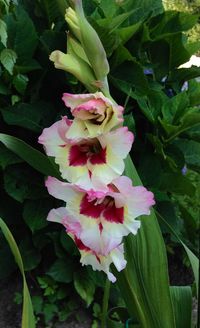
pixel 148 71
pixel 184 170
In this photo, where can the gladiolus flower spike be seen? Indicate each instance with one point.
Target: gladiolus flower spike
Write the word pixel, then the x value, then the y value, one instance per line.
pixel 100 205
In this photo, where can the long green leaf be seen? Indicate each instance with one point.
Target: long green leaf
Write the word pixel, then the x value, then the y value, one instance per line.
pixel 144 283
pixel 182 304
pixel 28 320
pixel 30 155
pixel 192 257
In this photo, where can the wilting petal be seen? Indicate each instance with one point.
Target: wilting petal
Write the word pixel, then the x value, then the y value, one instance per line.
pixel 94 114
pixel 102 263
pixel 89 256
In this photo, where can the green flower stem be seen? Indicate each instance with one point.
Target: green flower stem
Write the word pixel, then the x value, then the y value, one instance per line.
pixel 105 303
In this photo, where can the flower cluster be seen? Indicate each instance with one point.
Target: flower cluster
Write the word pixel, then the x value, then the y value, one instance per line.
pixel 101 205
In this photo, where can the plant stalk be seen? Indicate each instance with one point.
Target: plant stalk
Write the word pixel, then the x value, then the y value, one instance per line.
pixel 105 303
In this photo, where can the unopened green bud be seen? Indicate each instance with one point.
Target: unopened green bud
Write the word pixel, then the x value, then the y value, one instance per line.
pixel 89 39
pixel 74 46
pixel 76 66
pixel 72 20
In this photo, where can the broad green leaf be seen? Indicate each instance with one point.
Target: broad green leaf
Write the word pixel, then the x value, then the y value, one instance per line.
pixel 20 82
pixel 159 52
pixel 182 304
pixel 151 105
pixel 120 55
pixel 115 22
pixel 130 73
pixel 146 8
pixel 29 116
pixel 7 157
pixel 53 9
pixel 194 264
pixel 127 32
pixel 84 286
pixel 194 91
pixel 35 213
pixel 37 304
pixel 129 122
pixel 27 313
pixel 22 36
pixel 189 120
pixel 30 255
pixel 67 243
pixel 49 310
pixel 20 184
pixel 30 155
pixel 8 59
pixel 191 151
pixel 172 22
pixel 184 74
pixel 177 183
pixel 4 90
pixel 61 270
pixel 144 283
pixel 3 32
pixel 192 257
pixel 109 7
pixel 174 108
pixel 29 66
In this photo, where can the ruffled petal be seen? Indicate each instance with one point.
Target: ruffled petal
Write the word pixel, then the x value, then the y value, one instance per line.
pixel 120 141
pixel 64 191
pixel 53 138
pixel 97 113
pixel 57 214
pixel 102 263
pixel 74 100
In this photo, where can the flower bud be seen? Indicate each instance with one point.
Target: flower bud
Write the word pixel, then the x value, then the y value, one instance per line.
pixel 72 20
pixel 89 39
pixel 74 65
pixel 74 46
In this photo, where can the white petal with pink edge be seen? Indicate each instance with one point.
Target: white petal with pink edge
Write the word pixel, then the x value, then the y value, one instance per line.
pixel 55 136
pixel 57 214
pixel 64 191
pixel 102 263
pixel 94 114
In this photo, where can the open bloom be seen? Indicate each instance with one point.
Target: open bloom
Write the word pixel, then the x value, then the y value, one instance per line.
pixel 94 114
pixel 88 256
pixel 91 163
pixel 101 219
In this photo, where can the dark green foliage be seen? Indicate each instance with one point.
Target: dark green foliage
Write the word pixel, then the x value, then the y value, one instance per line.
pixel 145 47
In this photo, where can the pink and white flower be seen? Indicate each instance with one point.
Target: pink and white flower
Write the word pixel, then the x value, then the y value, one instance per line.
pixel 89 256
pixel 91 163
pixel 94 114
pixel 100 219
